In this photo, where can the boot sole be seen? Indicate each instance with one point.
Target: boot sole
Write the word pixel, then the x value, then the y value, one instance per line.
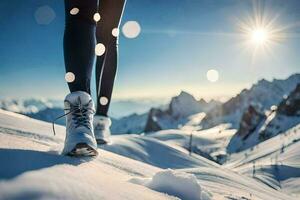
pixel 101 141
pixel 83 150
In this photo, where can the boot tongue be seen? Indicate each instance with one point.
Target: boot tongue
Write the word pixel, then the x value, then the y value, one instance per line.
pixel 78 97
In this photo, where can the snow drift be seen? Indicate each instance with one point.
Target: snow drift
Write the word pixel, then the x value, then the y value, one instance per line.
pixel 178 184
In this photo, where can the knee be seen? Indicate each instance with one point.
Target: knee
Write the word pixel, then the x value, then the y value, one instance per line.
pixel 107 35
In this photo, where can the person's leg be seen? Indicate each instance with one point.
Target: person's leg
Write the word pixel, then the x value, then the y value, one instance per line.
pixel 79 53
pixel 106 65
pixel 79 42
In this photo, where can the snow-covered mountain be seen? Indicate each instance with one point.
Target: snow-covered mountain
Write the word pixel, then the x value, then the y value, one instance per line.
pixel 286 116
pixel 32 167
pixel 251 119
pixel 174 114
pixel 256 127
pixel 177 113
pixel 185 105
pixel 263 94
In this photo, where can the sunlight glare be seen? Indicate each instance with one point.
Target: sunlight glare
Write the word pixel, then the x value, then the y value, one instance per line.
pixel 70 77
pixel 115 32
pixel 131 29
pixel 212 75
pixel 261 31
pixel 260 36
pixel 97 17
pixel 103 100
pixel 99 49
pixel 74 11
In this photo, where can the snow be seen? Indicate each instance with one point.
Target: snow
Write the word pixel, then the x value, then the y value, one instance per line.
pixel 275 162
pixel 266 149
pixel 32 167
pixel 47 176
pixel 184 105
pixel 194 121
pixel 212 142
pixel 179 184
pixel 264 94
pixel 227 184
pixel 279 123
pixel 273 125
pixel 181 110
pixel 155 152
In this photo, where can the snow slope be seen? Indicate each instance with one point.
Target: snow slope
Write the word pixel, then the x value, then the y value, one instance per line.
pixel 31 168
pixel 210 143
pixel 155 152
pixel 275 162
pixel 266 149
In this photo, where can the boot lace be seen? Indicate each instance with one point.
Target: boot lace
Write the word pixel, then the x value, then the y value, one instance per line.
pixel 80 115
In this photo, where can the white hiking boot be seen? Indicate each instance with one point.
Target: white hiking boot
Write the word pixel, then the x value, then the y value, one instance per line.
pixel 102 129
pixel 80 139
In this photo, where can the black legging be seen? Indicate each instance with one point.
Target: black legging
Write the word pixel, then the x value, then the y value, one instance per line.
pixel 81 34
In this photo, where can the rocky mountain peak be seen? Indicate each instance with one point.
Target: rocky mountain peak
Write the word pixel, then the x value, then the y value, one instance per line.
pixel 250 120
pixel 291 105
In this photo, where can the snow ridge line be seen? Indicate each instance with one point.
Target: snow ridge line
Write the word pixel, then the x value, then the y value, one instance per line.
pixel 31 135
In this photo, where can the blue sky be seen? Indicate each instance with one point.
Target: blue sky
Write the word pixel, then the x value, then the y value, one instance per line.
pixel 180 40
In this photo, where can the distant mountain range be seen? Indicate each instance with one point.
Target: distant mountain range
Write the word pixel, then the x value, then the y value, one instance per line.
pixel 48 109
pixel 32 105
pixel 259 98
pixel 258 113
pixel 140 113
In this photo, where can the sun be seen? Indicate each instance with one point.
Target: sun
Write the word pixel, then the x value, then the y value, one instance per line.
pixel 261 30
pixel 260 36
